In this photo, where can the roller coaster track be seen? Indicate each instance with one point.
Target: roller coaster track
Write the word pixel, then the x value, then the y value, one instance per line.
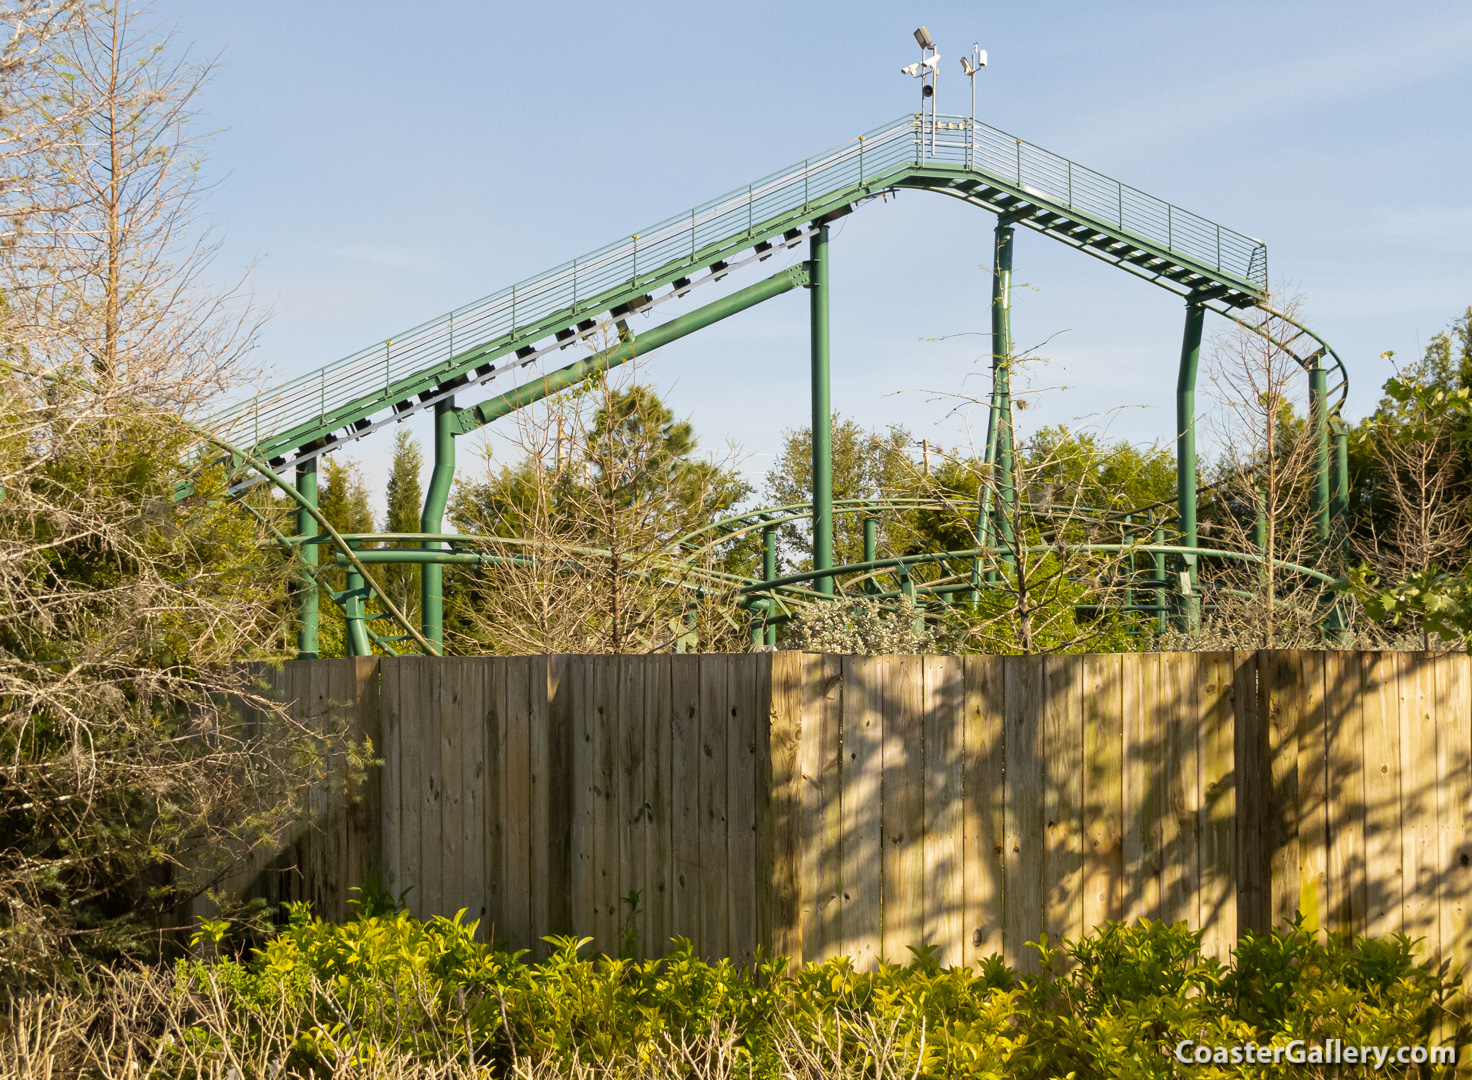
pixel 503 333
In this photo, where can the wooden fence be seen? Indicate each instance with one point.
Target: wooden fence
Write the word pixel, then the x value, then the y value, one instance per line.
pixel 860 805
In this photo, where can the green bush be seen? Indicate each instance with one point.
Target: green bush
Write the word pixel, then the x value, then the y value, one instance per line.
pixel 1114 1004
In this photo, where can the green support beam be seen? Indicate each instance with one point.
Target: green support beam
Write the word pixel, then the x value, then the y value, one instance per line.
pixel 1188 599
pixel 1339 497
pixel 1000 438
pixel 491 409
pixel 354 598
pixel 306 526
pixel 432 577
pixel 1318 394
pixel 769 573
pixel 822 415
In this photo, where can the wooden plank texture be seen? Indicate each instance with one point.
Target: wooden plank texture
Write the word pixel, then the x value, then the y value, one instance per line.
pixel 1063 796
pixel 1345 785
pixel 1379 701
pixel 714 884
pixel 685 797
pixel 902 890
pixel 1218 812
pixel 1024 854
pixel 1313 793
pixel 984 738
pixel 516 765
pixel 741 808
pixel 561 697
pixel 1103 708
pixel 943 706
pixel 655 926
pixel 863 773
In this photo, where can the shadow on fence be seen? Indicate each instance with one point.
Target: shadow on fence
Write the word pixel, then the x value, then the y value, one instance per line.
pixel 827 805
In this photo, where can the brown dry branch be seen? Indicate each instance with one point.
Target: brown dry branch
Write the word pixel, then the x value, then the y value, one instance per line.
pixel 578 530
pixel 1264 475
pixel 127 772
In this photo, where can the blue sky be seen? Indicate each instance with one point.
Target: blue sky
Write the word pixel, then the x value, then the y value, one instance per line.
pixel 380 163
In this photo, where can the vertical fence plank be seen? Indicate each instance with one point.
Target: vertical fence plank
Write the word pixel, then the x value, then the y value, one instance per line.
pixel 777 817
pixel 632 833
pixel 489 674
pixel 1024 891
pixel 1180 728
pixel 685 802
pixel 366 810
pixel 561 695
pixel 472 781
pixel 1454 805
pixel 1313 792
pixel 542 843
pixel 1344 772
pixel 984 746
pixel 1063 795
pixel 1140 793
pixel 1249 740
pixel 516 764
pixel 789 823
pixel 1103 705
pixel 902 889
pixel 607 814
pixel 1218 812
pixel 453 702
pixel 432 795
pixel 1418 801
pixel 715 713
pixel 743 875
pixel 655 926
pixel 863 773
pixel 944 713
pixel 411 710
pixel 1383 871
pixel 1278 684
pixel 393 768
pixel 821 759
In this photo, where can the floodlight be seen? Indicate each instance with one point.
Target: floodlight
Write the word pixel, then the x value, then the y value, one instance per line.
pixel 913 70
pixel 923 37
pixel 966 68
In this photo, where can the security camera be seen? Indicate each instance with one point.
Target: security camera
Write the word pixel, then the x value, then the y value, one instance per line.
pixel 913 69
pixel 932 61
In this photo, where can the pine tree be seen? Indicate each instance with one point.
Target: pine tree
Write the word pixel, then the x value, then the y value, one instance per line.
pixel 405 498
pixel 343 497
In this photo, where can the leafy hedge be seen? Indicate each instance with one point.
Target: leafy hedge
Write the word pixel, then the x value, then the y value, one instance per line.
pixel 1113 1004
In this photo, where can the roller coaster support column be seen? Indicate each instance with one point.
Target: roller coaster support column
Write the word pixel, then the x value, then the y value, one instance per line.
pixel 1331 484
pixel 432 520
pixel 1188 598
pixel 822 416
pixel 306 526
pixel 769 573
pixel 355 597
pixel 1158 576
pixel 999 424
pixel 1318 392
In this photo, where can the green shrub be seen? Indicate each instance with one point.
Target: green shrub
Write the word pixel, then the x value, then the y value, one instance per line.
pixel 1113 1004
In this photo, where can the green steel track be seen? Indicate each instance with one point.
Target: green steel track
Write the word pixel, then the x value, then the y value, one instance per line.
pixel 494 337
pixel 584 303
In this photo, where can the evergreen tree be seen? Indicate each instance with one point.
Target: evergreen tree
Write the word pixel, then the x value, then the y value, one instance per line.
pixel 343 497
pixel 405 498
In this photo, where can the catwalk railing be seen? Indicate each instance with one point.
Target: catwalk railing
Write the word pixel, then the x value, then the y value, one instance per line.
pixel 858 805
